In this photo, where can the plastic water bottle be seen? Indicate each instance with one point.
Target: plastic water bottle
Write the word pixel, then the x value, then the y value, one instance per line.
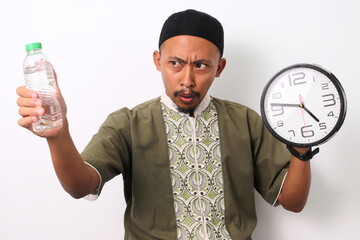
pixel 39 76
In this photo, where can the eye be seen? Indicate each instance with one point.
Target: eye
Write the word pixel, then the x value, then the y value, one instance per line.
pixel 200 65
pixel 175 63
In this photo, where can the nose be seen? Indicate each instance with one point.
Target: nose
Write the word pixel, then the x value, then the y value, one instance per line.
pixel 188 80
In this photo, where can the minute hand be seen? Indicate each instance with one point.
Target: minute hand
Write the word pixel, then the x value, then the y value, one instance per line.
pixel 285 104
pixel 296 105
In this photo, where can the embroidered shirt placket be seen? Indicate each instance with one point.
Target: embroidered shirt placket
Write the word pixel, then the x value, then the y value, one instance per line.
pixel 203 219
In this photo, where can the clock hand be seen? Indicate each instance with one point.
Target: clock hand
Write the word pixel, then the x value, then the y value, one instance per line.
pixel 302 112
pixel 310 113
pixel 302 105
pixel 285 104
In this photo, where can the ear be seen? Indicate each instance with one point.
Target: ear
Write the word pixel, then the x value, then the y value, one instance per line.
pixel 157 56
pixel 221 66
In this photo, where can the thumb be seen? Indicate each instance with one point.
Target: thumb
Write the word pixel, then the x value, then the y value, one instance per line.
pixel 59 94
pixel 55 75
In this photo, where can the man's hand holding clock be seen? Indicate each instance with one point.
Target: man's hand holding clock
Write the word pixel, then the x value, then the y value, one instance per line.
pixel 303 106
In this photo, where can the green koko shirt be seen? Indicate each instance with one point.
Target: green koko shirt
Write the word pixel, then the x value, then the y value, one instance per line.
pixel 196 170
pixel 134 143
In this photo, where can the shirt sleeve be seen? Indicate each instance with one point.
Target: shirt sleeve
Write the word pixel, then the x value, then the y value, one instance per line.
pixel 95 194
pixel 108 149
pixel 276 203
pixel 271 162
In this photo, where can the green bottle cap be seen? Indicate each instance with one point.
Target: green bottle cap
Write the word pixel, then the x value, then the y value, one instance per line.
pixel 32 46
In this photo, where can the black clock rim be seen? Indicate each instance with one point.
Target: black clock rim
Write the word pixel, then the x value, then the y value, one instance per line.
pixel 337 85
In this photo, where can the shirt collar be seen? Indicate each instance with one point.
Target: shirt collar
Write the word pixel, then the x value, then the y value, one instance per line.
pixel 165 99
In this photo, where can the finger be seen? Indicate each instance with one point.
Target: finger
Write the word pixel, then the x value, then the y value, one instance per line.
pixel 57 88
pixel 28 111
pixel 25 92
pixel 27 121
pixel 29 102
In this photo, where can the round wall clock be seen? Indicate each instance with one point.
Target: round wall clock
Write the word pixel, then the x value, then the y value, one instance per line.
pixel 303 105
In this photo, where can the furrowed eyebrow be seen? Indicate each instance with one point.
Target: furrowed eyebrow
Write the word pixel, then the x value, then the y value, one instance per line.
pixel 177 59
pixel 199 61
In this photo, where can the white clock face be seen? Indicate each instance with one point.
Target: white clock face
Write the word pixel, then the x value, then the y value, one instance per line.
pixel 303 107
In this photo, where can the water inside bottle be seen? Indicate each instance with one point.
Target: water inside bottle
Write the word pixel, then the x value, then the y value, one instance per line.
pixel 41 79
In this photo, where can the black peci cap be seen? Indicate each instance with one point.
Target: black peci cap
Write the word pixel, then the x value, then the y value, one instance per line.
pixel 193 23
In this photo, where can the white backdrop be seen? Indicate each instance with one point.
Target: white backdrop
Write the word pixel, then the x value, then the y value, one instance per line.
pixel 102 52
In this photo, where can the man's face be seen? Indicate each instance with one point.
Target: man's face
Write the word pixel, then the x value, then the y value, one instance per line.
pixel 188 66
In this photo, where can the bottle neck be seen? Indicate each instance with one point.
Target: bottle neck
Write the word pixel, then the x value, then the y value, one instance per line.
pixel 34 51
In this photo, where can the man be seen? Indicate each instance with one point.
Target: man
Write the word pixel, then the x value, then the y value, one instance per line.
pixel 189 162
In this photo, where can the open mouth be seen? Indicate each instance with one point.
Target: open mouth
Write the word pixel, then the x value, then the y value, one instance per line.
pixel 186 98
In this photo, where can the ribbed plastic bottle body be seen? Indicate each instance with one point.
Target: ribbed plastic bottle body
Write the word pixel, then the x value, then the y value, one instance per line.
pixel 39 77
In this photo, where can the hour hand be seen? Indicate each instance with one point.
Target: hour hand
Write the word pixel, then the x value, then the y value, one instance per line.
pixel 310 113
